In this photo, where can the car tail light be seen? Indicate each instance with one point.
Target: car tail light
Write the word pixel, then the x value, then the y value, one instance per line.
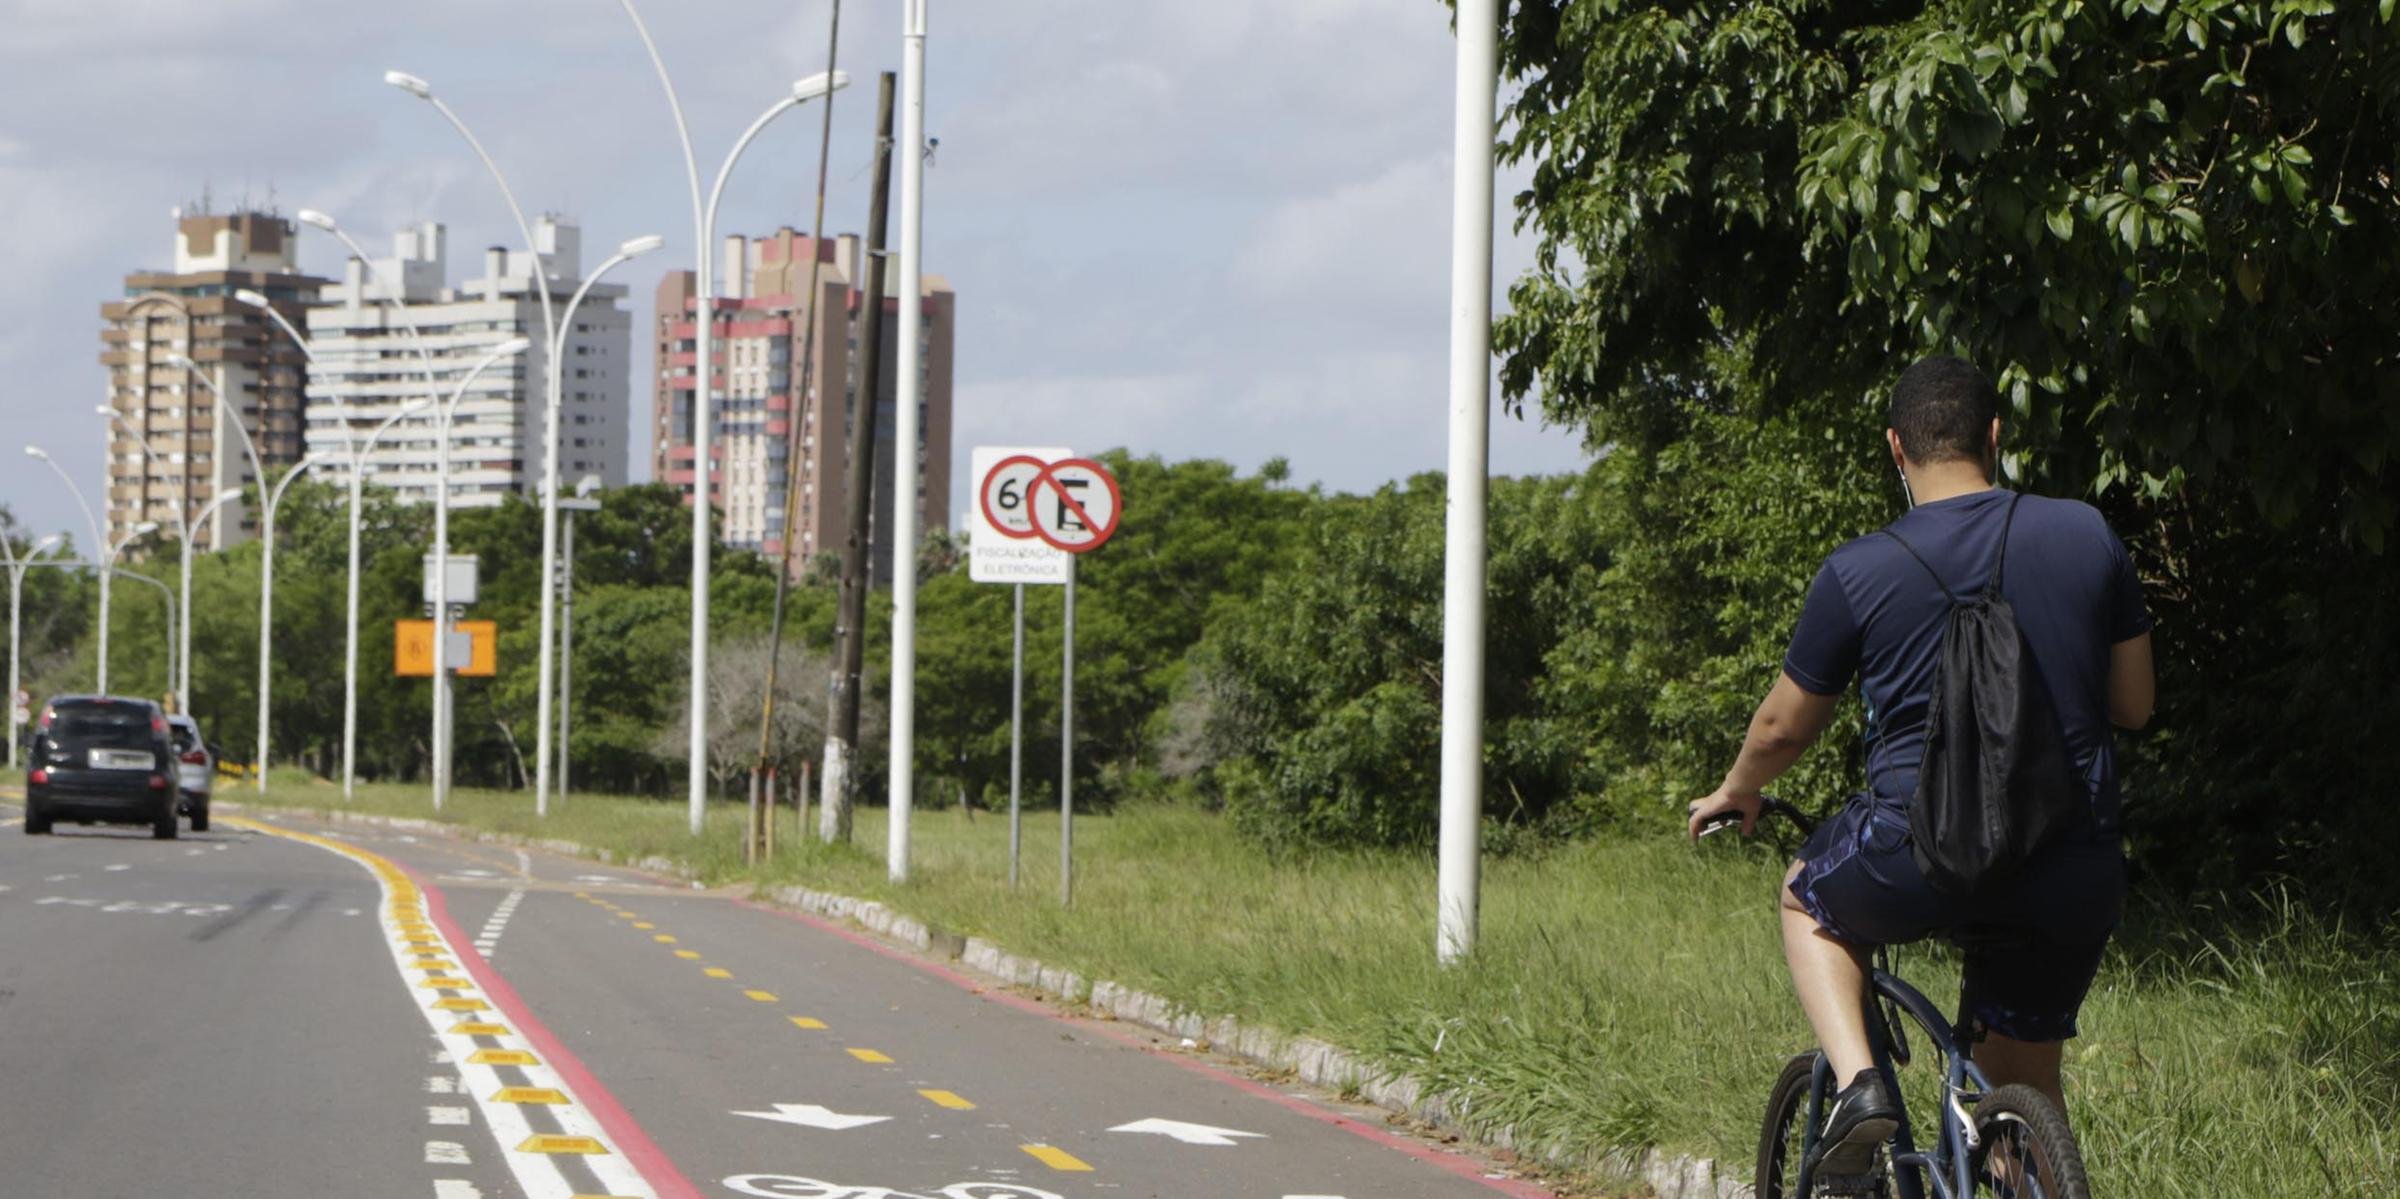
pixel 38 776
pixel 158 725
pixel 196 757
pixel 158 782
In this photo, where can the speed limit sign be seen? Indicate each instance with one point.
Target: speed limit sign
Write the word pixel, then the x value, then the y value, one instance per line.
pixel 1002 547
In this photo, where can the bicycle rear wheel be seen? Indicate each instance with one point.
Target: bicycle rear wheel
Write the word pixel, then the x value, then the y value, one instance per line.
pixel 1782 1138
pixel 2028 1152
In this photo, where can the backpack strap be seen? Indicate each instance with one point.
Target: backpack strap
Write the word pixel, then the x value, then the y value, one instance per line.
pixel 2000 563
pixel 1912 552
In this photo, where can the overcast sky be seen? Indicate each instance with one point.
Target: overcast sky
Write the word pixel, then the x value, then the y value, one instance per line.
pixel 1191 228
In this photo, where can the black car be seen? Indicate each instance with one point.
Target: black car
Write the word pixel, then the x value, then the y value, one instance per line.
pixel 101 758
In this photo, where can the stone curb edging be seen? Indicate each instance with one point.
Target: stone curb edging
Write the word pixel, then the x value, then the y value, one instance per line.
pixel 1315 1062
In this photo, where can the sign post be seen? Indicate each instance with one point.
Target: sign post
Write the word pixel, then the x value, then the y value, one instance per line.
pixel 1069 506
pixel 999 552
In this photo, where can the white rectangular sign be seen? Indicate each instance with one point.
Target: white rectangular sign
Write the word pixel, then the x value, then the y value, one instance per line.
pixel 993 557
pixel 463 577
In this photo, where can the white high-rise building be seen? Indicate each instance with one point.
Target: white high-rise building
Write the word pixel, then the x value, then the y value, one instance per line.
pixel 369 366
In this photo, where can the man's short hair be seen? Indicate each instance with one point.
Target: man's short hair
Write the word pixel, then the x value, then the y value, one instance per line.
pixel 1943 410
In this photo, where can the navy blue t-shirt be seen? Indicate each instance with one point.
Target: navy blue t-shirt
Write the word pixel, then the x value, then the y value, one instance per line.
pixel 1873 612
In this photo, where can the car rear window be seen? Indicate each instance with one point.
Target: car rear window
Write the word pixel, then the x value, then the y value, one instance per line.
pixel 114 728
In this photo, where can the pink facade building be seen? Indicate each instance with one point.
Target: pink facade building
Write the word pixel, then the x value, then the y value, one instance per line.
pixel 762 399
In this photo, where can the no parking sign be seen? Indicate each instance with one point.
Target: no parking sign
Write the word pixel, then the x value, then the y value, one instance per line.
pixel 1071 504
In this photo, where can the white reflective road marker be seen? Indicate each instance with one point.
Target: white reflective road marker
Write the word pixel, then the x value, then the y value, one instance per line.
pixel 1189 1134
pixel 446 1115
pixel 446 1153
pixel 809 1115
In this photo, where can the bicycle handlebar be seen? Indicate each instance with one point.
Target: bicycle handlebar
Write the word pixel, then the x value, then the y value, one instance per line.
pixel 1768 805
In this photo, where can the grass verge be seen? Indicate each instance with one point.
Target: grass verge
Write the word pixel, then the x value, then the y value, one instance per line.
pixel 1624 995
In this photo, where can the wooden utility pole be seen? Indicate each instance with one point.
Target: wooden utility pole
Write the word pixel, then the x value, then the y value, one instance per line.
pixel 841 729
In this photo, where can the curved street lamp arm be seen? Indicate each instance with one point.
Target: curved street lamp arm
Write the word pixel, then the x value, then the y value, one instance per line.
pixel 233 418
pixel 286 325
pixel 541 278
pixel 221 499
pixel 305 465
pixel 89 522
pixel 717 192
pixel 683 132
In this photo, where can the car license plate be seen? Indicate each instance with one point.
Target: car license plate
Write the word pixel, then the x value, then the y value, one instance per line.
pixel 120 759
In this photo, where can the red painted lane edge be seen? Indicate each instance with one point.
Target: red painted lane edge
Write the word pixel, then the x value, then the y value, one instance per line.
pixel 1451 1163
pixel 642 1152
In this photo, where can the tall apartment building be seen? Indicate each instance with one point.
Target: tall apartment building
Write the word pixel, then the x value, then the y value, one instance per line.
pixel 373 362
pixel 193 450
pixel 761 322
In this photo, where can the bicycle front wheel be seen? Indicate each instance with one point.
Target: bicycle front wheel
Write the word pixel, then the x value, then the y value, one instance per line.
pixel 2028 1151
pixel 1782 1139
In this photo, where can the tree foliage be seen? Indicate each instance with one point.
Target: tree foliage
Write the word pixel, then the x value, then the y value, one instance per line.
pixel 2167 227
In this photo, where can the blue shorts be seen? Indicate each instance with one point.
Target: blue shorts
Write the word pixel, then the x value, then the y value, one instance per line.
pixel 2032 946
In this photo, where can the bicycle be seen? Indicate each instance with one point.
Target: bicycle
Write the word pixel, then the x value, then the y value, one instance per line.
pixel 2008 1142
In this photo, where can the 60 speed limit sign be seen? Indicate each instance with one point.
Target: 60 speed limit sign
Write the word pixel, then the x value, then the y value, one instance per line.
pixel 1072 504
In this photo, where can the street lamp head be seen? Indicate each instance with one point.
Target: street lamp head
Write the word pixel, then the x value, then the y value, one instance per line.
pixel 181 362
pixel 514 345
pixel 409 83
pixel 247 296
pixel 145 528
pixel 312 217
pixel 103 410
pixel 640 246
pixel 35 451
pixel 819 85
pixel 46 544
pixel 586 485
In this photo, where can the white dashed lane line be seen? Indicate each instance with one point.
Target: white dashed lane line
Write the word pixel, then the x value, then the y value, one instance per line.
pixel 489 939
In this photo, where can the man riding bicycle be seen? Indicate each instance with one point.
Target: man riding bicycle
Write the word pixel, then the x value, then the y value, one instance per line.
pixel 1873 612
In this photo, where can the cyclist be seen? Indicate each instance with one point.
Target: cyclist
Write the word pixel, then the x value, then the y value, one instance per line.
pixel 2033 944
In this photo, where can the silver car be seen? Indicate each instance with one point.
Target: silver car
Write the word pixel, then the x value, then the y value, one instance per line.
pixel 195 768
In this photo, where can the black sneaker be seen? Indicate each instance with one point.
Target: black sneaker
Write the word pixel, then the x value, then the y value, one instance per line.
pixel 1861 1119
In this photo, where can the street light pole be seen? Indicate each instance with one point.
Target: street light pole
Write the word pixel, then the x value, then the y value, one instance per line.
pixel 704 229
pixel 357 452
pixel 441 566
pixel 583 502
pixel 904 438
pixel 182 684
pixel 266 606
pixel 1458 881
pixel 16 603
pixel 266 561
pixel 99 549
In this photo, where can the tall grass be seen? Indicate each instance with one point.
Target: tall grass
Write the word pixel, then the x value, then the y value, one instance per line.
pixel 1624 995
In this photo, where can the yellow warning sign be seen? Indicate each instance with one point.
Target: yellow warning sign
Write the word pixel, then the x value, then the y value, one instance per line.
pixel 412 649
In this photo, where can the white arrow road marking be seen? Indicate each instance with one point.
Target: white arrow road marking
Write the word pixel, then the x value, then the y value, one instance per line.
pixel 809 1115
pixel 1189 1134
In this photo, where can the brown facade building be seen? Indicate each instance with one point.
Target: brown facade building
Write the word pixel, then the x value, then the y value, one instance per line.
pixel 172 448
pixel 762 401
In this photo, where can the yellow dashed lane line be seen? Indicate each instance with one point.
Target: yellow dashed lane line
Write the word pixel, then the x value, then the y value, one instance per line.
pixel 948 1099
pixel 870 1056
pixel 1056 1158
pixel 808 1022
pixel 717 972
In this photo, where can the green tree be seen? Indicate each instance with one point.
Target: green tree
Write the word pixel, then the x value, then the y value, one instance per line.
pixel 2168 229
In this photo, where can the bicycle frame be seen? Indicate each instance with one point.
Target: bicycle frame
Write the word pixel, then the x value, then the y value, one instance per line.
pixel 1950 1164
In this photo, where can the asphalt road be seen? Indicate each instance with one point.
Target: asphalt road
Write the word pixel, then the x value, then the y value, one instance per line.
pixel 289 1009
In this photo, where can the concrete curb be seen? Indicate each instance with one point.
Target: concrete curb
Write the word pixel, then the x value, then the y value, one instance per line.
pixel 1312 1061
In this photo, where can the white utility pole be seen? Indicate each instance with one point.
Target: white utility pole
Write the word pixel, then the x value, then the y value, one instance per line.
pixel 1459 877
pixel 904 434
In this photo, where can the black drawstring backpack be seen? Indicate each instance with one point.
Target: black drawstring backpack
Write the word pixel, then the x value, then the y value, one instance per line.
pixel 1996 784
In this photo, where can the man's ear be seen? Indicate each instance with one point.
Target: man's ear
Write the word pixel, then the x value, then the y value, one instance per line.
pixel 1992 449
pixel 1891 437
